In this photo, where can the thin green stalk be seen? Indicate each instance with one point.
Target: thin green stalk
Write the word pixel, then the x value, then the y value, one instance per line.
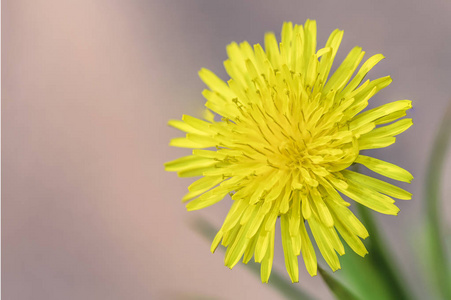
pixel 380 258
pixel 282 285
pixel 340 291
pixel 362 276
pixel 434 172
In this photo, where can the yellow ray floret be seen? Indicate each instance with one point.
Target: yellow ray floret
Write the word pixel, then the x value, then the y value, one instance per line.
pixel 279 137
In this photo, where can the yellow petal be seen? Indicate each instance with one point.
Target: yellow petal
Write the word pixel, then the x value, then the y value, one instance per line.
pixel 375 143
pixel 384 168
pixel 184 143
pixel 209 198
pixel 215 83
pixel 389 130
pixel 378 185
pixel 291 260
pixel 379 112
pixel 345 70
pixel 265 269
pixel 187 163
pixel 370 198
pixel 216 241
pixel 308 253
pixel 366 67
pixel 324 245
pixel 180 125
pixel 351 239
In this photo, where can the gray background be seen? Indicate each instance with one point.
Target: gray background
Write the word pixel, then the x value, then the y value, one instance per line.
pixel 88 86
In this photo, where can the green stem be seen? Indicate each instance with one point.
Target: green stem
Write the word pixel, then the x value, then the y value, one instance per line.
pixel 380 259
pixel 340 291
pixel 378 255
pixel 432 195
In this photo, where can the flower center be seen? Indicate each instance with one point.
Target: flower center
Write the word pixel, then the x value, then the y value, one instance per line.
pixel 317 155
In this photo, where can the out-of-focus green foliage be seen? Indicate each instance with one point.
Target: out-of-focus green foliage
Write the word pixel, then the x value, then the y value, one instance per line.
pixel 338 289
pixel 374 276
pixel 438 261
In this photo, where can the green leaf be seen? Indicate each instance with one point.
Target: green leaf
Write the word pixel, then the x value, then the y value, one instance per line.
pixel 378 265
pixel 361 276
pixel 437 257
pixel 382 262
pixel 340 291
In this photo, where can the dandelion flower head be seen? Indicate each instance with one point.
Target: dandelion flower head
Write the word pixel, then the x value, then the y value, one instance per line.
pixel 279 138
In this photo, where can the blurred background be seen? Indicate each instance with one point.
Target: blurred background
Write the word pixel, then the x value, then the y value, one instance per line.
pixel 87 90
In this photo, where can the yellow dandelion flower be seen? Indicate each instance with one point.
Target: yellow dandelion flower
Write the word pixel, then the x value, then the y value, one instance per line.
pixel 283 147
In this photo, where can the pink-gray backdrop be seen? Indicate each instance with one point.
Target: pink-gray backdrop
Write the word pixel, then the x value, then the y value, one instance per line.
pixel 88 86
